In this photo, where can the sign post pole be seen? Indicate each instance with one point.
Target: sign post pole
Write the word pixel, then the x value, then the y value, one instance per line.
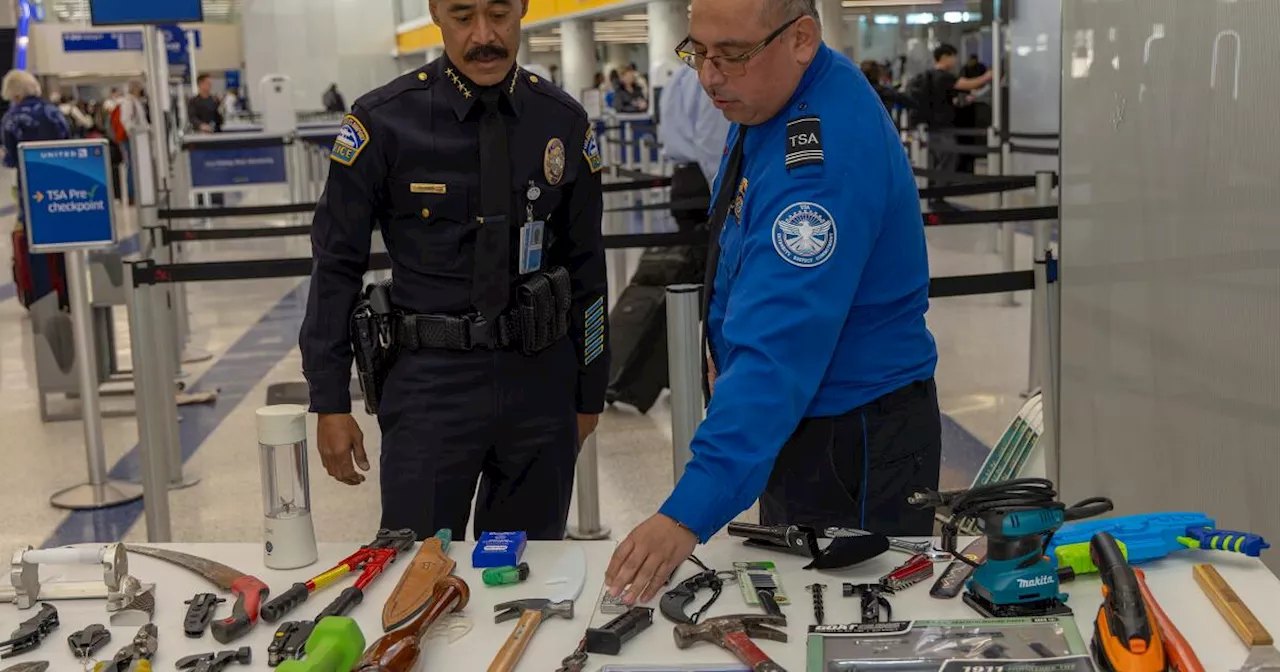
pixel 67 199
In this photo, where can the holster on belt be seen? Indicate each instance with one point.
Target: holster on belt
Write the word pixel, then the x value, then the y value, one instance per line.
pixel 374 341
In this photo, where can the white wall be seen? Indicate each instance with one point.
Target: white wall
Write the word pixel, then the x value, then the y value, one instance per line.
pixel 317 43
pixel 1035 77
pixel 219 50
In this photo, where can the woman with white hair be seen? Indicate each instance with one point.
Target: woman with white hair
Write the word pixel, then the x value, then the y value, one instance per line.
pixel 30 118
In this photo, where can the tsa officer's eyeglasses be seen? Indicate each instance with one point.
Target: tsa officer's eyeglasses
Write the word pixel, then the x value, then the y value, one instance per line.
pixel 729 66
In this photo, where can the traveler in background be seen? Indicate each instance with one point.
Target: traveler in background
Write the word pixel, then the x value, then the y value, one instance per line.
pixel 333 100
pixel 692 133
pixel 127 119
pixel 973 68
pixel 935 91
pixel 79 122
pixel 203 110
pixel 880 81
pixel 555 75
pixel 628 96
pixel 30 118
pixel 230 105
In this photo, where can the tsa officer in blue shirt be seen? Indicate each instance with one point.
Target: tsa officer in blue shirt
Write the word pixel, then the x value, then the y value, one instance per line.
pixel 824 407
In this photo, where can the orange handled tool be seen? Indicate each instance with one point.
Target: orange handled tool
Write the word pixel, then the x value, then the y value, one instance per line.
pixel 1181 657
pixel 1125 637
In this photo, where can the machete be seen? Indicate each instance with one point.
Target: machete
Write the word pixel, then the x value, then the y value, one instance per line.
pixel 249 590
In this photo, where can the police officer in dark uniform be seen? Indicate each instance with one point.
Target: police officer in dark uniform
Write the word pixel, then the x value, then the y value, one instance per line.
pixel 484 181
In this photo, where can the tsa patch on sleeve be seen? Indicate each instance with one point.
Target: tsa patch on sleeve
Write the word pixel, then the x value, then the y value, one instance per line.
pixel 804 142
pixel 591 151
pixel 804 234
pixel 350 141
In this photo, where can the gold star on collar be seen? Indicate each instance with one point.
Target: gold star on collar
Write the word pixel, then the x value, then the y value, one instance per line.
pixel 462 88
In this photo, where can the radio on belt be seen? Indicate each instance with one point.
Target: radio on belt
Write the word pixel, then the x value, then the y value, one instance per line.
pixel 498 549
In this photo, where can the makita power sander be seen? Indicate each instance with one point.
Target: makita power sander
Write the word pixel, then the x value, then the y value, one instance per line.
pixel 1018 517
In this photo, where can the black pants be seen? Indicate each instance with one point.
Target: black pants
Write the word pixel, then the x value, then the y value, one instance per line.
pixel 857 469
pixel 451 418
pixel 689 184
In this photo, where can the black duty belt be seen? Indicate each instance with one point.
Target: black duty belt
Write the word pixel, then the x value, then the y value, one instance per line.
pixel 457 333
pixel 537 318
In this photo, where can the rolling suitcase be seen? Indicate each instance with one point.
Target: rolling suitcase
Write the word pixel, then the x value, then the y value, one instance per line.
pixel 638 325
pixel 638 341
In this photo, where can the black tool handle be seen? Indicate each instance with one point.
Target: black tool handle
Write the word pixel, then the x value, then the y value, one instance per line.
pixel 768 601
pixel 1125 610
pixel 345 602
pixel 285 602
pixel 776 534
pixel 200 613
pixel 609 638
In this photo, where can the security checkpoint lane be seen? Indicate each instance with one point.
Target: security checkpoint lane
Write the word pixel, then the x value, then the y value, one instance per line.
pixel 1170 580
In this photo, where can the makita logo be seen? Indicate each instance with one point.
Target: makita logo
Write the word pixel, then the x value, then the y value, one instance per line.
pixel 1036 582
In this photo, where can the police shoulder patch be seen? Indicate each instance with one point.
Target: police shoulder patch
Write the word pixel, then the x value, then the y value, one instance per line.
pixel 351 140
pixel 591 150
pixel 804 142
pixel 804 234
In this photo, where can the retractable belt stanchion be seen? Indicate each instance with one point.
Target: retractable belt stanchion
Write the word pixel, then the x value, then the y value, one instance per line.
pixel 920 159
pixel 151 391
pixel 1006 242
pixel 68 206
pixel 589 526
pixel 684 358
pixel 1041 238
pixel 1044 323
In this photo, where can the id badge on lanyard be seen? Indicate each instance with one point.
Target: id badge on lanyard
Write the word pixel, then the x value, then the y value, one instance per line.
pixel 531 236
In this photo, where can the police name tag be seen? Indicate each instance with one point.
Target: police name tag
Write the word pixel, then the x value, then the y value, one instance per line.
pixel 531 247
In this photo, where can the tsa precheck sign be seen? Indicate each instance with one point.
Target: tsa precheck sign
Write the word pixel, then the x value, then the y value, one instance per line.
pixel 67 195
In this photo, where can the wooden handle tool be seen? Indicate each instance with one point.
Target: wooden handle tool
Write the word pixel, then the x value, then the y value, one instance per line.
pixel 1232 608
pixel 519 640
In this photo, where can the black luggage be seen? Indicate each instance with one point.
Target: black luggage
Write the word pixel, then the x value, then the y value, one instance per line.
pixel 638 325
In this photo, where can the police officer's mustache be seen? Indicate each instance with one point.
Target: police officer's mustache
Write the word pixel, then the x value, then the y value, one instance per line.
pixel 485 52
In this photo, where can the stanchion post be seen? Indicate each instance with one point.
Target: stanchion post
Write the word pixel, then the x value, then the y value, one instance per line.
pixel 100 491
pixel 1005 243
pixel 154 469
pixel 920 159
pixel 684 358
pixel 1040 231
pixel 589 526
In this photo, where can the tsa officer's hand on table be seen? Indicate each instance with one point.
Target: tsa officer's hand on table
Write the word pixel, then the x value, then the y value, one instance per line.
pixel 645 560
pixel 341 442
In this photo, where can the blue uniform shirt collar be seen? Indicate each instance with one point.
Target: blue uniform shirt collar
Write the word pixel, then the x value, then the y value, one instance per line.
pixel 463 94
pixel 821 61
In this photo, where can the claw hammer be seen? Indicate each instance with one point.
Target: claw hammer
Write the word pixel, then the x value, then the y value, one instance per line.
pixel 532 613
pixel 734 634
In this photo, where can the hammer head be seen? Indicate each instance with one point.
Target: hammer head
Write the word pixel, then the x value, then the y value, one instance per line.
pixel 513 609
pixel 713 630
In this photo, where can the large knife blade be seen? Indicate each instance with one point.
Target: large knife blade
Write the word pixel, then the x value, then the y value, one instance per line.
pixel 249 590
pixel 570 573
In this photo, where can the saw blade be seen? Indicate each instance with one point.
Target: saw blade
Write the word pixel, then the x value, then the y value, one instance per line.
pixel 216 573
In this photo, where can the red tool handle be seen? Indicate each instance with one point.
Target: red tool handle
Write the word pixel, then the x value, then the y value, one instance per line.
pixel 249 592
pixel 740 645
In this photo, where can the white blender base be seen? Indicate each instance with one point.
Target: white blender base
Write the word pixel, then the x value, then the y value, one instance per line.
pixel 289 543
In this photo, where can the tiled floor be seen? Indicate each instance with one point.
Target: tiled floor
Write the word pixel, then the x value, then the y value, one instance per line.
pixel 251 329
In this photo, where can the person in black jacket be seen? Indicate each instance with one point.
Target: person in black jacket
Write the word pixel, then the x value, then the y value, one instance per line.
pixel 628 96
pixel 203 110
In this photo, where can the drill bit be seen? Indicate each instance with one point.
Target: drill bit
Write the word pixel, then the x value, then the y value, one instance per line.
pixel 819 610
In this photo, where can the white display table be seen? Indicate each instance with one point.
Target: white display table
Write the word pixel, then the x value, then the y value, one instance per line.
pixel 1169 579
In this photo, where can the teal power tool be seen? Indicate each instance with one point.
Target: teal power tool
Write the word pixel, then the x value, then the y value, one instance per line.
pixel 1018 518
